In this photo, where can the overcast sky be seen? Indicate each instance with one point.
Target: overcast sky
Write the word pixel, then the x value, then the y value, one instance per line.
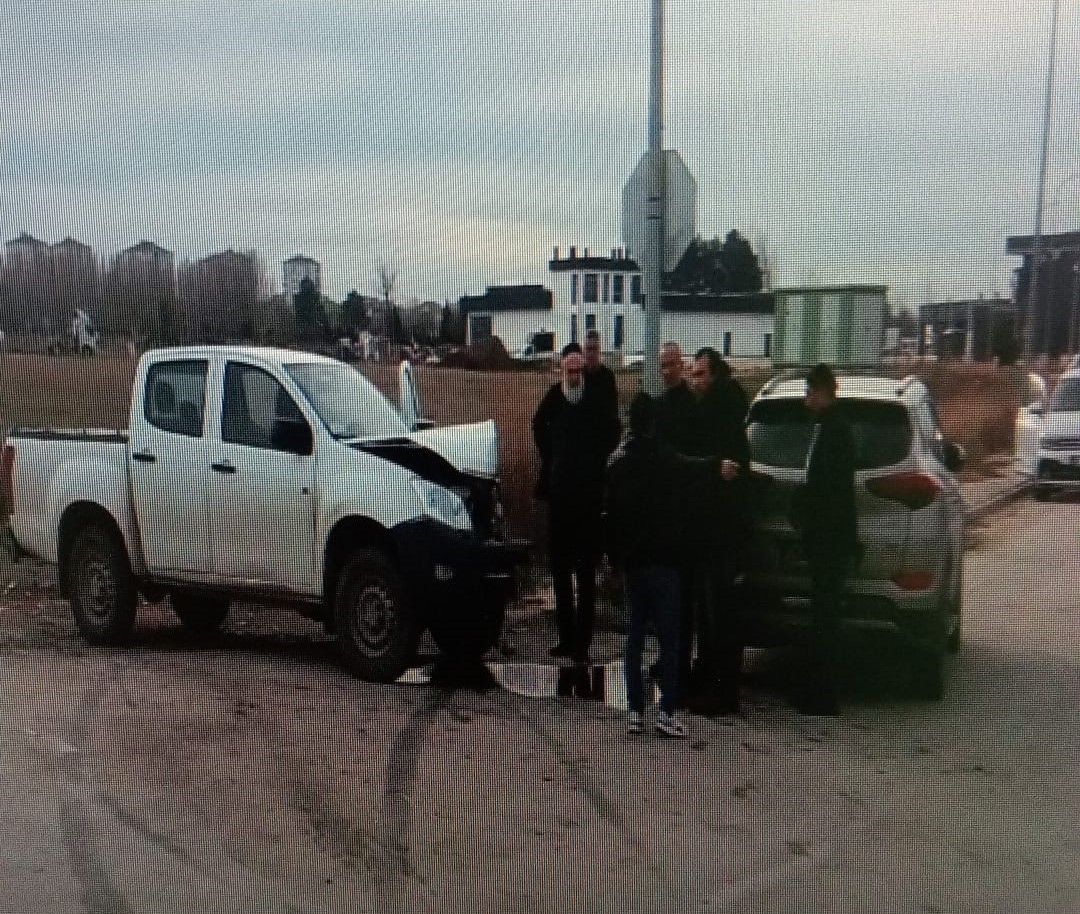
pixel 892 141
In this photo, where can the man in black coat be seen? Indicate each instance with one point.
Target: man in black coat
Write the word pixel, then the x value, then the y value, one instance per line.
pixel 598 375
pixel 677 427
pixel 721 520
pixel 575 431
pixel 824 512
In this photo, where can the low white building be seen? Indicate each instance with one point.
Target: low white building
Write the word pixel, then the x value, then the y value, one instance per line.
pixel 605 293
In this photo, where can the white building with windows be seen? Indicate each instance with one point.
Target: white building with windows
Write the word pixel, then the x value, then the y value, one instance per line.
pixel 295 270
pixel 605 293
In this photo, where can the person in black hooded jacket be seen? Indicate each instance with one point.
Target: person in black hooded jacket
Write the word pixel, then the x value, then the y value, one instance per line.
pixel 646 535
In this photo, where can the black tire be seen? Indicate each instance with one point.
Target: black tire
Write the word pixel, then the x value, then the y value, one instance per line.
pixel 376 625
pixel 199 614
pixel 956 614
pixel 1041 493
pixel 470 633
pixel 103 592
pixel 928 673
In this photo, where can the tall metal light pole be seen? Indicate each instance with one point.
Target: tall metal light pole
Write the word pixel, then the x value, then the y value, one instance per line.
pixel 655 205
pixel 1036 244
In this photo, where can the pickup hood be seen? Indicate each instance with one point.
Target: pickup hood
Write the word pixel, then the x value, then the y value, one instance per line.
pixel 443 455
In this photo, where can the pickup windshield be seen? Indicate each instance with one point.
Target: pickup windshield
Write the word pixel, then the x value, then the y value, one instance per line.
pixel 348 403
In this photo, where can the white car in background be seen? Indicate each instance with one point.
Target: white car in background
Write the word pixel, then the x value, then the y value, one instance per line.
pixel 1048 434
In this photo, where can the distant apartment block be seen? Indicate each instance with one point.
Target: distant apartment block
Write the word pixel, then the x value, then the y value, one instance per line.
pixel 295 270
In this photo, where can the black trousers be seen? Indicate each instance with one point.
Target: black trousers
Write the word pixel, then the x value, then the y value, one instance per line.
pixel 820 645
pixel 718 669
pixel 573 553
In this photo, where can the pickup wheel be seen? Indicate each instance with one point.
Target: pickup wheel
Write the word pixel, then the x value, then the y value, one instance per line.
pixel 470 634
pixel 103 593
pixel 198 614
pixel 377 627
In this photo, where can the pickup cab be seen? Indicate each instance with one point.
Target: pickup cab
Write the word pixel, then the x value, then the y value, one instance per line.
pixel 273 477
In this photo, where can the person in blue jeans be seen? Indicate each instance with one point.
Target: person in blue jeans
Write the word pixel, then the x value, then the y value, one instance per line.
pixel 645 534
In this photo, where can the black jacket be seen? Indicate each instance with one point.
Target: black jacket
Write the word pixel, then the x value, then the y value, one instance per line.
pixel 602 380
pixel 646 502
pixel 677 419
pixel 574 442
pixel 824 508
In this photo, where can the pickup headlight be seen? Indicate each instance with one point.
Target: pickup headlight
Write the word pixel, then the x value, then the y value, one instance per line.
pixel 442 505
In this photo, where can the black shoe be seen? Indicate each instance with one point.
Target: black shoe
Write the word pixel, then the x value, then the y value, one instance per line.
pixel 560 650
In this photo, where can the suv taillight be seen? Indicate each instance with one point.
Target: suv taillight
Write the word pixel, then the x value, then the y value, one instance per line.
pixel 913 490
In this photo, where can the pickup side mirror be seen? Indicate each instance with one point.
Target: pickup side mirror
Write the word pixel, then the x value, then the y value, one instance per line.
pixel 953 456
pixel 424 424
pixel 292 436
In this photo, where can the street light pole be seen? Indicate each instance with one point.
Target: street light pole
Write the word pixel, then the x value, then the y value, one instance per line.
pixel 1036 245
pixel 655 204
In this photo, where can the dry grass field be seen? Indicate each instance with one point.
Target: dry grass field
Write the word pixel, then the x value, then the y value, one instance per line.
pixel 977 404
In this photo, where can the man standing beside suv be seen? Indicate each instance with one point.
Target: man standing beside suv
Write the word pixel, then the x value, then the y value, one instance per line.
pixel 824 513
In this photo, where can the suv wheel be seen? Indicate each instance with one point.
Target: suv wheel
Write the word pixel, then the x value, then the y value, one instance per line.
pixel 1041 493
pixel 377 629
pixel 103 594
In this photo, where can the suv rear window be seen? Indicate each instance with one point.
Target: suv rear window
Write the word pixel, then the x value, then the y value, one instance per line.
pixel 779 432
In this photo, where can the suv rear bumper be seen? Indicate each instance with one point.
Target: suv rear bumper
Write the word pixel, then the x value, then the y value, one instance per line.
pixel 773 612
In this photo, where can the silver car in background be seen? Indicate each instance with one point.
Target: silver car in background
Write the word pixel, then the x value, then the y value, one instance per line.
pixel 909 576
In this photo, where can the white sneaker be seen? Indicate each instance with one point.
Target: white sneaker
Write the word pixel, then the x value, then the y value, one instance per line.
pixel 635 723
pixel 667 725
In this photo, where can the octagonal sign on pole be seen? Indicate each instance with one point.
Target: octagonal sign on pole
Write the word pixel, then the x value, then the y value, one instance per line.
pixel 679 212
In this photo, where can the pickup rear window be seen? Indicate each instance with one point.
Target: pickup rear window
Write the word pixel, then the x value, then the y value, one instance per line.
pixel 779 432
pixel 176 395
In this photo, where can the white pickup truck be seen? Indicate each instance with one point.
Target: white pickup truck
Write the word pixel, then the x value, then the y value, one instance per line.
pixel 273 477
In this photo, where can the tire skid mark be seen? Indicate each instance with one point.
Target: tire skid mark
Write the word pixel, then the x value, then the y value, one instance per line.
pixel 390 861
pixel 604 808
pixel 100 894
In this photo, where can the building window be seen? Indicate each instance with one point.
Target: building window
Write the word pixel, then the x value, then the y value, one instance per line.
pixel 727 342
pixel 635 289
pixel 573 328
pixel 617 330
pixel 573 288
pixel 479 327
pixel 607 285
pixel 617 289
pixel 590 290
pixel 768 346
pixel 590 322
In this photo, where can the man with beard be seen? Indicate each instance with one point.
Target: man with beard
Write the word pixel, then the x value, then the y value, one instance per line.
pixel 575 431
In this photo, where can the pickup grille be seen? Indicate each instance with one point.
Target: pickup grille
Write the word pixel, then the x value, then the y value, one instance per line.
pixel 483 500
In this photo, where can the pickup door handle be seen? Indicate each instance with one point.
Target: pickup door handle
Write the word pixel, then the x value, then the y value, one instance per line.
pixel 224 467
pixel 144 457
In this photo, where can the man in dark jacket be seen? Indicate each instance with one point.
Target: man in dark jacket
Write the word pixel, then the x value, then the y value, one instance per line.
pixel 677 427
pixel 824 512
pixel 646 537
pixel 598 375
pixel 721 520
pixel 574 432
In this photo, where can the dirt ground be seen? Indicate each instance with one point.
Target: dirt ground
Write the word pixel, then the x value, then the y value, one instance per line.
pixel 250 773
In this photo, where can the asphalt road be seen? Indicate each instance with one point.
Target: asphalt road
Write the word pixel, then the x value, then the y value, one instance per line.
pixel 250 774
